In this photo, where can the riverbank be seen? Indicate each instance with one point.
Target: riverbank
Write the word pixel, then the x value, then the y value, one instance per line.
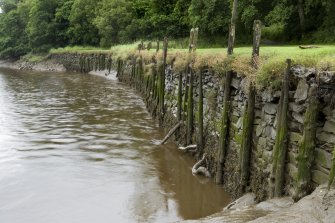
pixel 48 65
pixel 265 122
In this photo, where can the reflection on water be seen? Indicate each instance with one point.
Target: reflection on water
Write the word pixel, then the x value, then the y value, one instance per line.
pixel 79 148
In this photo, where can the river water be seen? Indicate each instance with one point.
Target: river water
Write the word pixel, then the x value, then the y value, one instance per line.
pixel 82 148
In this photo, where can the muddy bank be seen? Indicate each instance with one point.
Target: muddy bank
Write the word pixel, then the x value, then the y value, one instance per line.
pixel 316 207
pixel 45 65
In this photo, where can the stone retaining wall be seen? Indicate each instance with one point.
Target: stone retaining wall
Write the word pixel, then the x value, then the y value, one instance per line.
pixel 265 122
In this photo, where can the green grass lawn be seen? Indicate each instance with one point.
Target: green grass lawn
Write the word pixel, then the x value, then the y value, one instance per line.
pixel 271 63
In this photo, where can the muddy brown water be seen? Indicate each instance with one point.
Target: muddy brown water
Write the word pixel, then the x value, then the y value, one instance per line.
pixel 82 148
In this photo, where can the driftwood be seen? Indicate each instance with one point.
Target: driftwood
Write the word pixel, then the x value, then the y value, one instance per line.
pixel 190 148
pixel 308 47
pixel 200 170
pixel 171 132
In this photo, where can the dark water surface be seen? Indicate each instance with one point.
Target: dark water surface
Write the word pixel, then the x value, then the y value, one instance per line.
pixel 81 148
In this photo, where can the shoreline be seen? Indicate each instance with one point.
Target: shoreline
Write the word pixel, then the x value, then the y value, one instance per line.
pixel 47 65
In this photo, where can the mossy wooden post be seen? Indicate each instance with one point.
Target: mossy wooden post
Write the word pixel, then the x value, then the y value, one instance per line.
pixel 95 62
pixel 190 110
pixel 307 145
pixel 224 130
pixel 109 65
pixel 248 116
pixel 154 89
pixel 221 153
pixel 190 47
pixel 141 71
pixel 179 102
pixel 332 171
pixel 195 39
pixel 184 110
pixel 162 82
pixel 119 67
pixel 190 106
pixel 231 38
pixel 134 76
pixel 81 64
pixel 200 137
pixel 104 59
pixel 280 147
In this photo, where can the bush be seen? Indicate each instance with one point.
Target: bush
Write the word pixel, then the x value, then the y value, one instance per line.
pixel 275 32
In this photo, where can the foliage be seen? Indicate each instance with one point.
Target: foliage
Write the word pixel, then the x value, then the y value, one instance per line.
pixel 37 25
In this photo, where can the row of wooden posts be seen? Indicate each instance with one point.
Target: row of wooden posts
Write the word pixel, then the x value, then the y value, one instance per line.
pixel 153 88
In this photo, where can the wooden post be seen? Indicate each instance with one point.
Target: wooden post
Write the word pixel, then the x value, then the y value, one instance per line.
pixel 81 64
pixel 185 102
pixel 195 39
pixel 248 116
pixel 162 81
pixel 231 39
pixel 256 41
pixel 191 40
pixel 109 64
pixel 280 147
pixel 226 102
pixel 224 130
pixel 180 101
pixel 190 110
pixel 307 145
pixel 201 115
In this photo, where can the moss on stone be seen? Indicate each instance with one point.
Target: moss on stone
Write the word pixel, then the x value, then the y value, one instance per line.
pixel 332 171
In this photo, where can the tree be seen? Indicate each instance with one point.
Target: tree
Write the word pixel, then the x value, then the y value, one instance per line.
pixel 13 38
pixel 211 16
pixel 82 30
pixel 41 27
pixel 112 21
pixel 62 22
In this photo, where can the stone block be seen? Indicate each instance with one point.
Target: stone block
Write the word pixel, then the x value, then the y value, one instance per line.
pixel 235 83
pixel 295 126
pixel 326 137
pixel 296 107
pixel 259 130
pixel 269 119
pixel 302 91
pixel 323 158
pixel 270 108
pixel 329 127
pixel 258 113
pixel 257 121
pixel 298 117
pixel 270 132
pixel 319 177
